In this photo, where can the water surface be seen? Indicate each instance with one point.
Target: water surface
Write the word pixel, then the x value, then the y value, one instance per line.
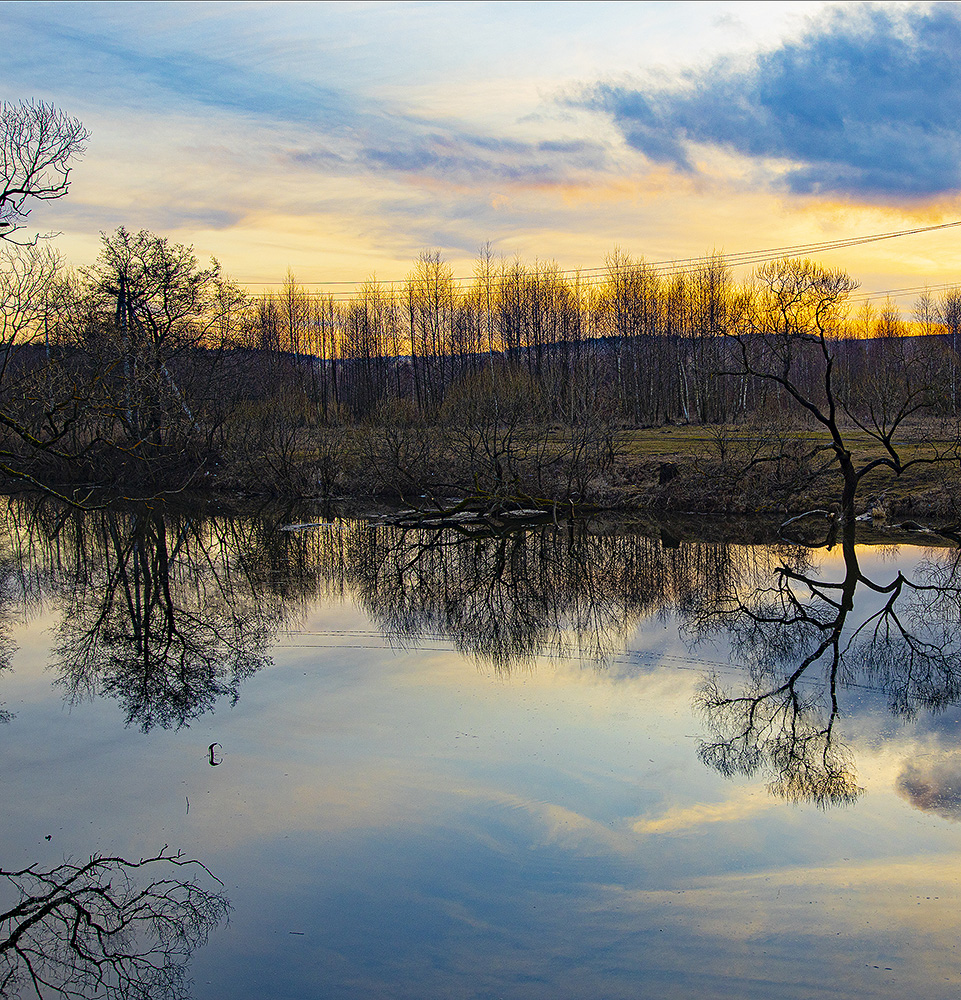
pixel 573 761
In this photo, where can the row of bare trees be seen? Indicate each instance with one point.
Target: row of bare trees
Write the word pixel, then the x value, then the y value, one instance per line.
pixel 649 336
pixel 656 338
pixel 147 367
pixel 147 360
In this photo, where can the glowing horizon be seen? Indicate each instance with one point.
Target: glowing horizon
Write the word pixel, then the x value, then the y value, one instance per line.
pixel 341 140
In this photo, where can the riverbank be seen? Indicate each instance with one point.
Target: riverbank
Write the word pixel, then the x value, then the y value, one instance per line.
pixel 703 470
pixel 734 470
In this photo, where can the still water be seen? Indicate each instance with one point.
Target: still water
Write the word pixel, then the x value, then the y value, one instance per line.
pixel 575 761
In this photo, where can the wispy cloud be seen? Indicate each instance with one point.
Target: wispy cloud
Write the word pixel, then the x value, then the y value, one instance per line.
pixel 867 102
pixel 106 55
pixel 460 157
pixel 331 129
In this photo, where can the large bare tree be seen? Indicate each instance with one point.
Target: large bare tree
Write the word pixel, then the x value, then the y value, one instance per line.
pixel 37 144
pixel 790 337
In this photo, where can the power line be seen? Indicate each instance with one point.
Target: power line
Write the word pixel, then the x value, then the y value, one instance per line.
pixel 898 292
pixel 590 276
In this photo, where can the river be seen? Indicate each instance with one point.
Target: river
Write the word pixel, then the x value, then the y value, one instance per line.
pixel 571 761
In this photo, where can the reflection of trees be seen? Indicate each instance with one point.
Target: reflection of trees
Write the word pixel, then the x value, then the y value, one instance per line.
pixel 508 596
pixel 159 610
pixel 913 651
pixel 15 592
pixel 169 613
pixel 99 928
pixel 162 624
pixel 804 644
pixel 7 646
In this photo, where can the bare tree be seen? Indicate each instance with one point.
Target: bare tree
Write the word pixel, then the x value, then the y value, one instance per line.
pixel 37 143
pixel 27 279
pixel 41 405
pixel 169 329
pixel 949 315
pixel 92 928
pixel 789 337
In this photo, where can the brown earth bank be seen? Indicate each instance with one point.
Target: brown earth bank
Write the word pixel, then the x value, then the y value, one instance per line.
pixel 750 475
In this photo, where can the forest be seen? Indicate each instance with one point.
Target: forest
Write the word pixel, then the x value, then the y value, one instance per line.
pixel 148 372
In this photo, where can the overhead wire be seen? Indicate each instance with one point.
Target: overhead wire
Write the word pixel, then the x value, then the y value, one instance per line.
pixel 591 276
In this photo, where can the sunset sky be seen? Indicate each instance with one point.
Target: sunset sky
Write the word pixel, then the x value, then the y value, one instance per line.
pixel 342 139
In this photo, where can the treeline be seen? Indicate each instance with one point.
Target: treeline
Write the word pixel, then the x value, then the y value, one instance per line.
pixel 650 342
pixel 148 371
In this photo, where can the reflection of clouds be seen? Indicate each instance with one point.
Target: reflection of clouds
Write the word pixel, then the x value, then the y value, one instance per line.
pixel 933 785
pixel 911 907
pixel 404 698
pixel 504 917
pixel 687 818
pixel 556 824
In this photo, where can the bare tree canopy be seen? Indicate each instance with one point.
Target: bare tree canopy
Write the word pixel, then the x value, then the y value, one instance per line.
pixel 37 143
pixel 94 929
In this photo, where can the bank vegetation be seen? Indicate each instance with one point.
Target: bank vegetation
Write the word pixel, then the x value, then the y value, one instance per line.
pixel 147 372
pixel 681 387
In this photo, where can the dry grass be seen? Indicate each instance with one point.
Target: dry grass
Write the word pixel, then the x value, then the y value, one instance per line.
pixel 927 489
pixel 707 473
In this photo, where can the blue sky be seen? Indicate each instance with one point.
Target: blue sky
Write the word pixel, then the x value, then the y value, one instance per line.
pixel 342 139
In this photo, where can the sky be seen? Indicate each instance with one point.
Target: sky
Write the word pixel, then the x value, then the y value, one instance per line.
pixel 340 140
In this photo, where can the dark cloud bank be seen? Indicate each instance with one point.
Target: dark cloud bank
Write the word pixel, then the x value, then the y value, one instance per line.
pixel 867 102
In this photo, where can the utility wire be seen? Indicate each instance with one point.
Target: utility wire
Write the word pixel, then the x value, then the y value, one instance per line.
pixel 591 276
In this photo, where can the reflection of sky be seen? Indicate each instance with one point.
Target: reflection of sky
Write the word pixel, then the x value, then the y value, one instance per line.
pixel 342 139
pixel 408 824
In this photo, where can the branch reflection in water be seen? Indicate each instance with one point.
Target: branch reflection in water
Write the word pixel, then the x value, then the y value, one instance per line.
pixel 106 927
pixel 805 640
pixel 507 597
pixel 169 613
pixel 160 610
pixel 16 593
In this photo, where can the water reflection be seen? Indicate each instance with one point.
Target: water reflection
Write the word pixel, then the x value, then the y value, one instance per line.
pixel 169 614
pixel 400 825
pixel 106 927
pixel 507 598
pixel 805 639
pixel 157 610
pixel 802 639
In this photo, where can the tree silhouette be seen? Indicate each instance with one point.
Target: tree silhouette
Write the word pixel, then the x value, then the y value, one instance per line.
pixel 97 928
pixel 789 331
pixel 155 622
pixel 804 645
pixel 37 143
